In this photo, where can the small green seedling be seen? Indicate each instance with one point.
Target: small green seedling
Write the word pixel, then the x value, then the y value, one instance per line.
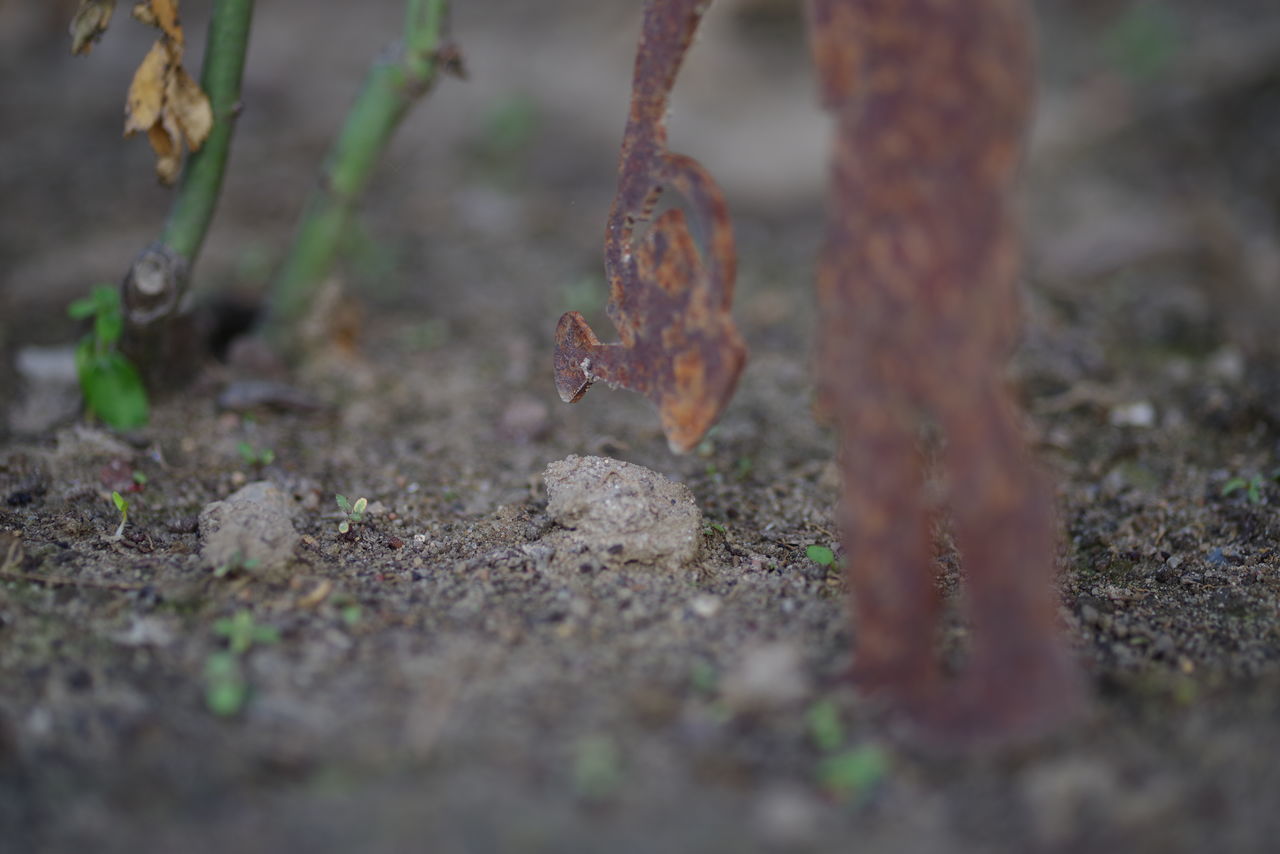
pixel 597 768
pixel 225 688
pixel 236 563
pixel 111 386
pixel 823 719
pixel 242 632
pixel 717 527
pixel 354 512
pixel 703 677
pixel 254 456
pixel 122 504
pixel 843 773
pixel 822 556
pixel 1144 41
pixel 854 772
pixel 1252 487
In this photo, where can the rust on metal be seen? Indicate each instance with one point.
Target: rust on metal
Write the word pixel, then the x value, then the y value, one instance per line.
pixel 917 295
pixel 669 297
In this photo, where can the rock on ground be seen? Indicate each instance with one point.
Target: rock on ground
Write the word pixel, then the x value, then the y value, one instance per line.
pixel 252 528
pixel 622 513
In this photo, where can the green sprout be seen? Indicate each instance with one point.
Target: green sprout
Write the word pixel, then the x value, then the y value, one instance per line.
pixel 1144 41
pixel 703 677
pixel 354 512
pixel 597 768
pixel 822 556
pixel 226 688
pixel 242 632
pixel 823 720
pixel 853 772
pixel 111 386
pixel 1252 487
pixel 254 456
pixel 122 504
pixel 235 563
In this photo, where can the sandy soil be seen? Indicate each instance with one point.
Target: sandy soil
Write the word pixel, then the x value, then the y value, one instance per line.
pixel 439 678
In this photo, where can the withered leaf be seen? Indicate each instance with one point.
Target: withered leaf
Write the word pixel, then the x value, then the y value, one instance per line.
pixel 162 14
pixel 189 107
pixel 89 23
pixel 164 100
pixel 146 92
pixel 168 154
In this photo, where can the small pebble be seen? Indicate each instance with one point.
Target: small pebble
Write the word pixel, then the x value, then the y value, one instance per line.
pixel 620 513
pixel 252 526
pixel 768 677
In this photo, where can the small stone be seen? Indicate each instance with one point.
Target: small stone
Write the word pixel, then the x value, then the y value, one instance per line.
pixel 50 392
pixel 620 513
pixel 1060 795
pixel 146 631
pixel 1137 414
pixel 768 677
pixel 251 529
pixel 705 606
pixel 787 816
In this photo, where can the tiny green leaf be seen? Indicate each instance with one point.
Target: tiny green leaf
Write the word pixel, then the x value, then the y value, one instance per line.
pixel 225 687
pixel 854 771
pixel 820 555
pixel 825 728
pixel 703 676
pixel 82 308
pixel 120 501
pixel 597 767
pixel 111 386
pixel 343 504
pixel 351 615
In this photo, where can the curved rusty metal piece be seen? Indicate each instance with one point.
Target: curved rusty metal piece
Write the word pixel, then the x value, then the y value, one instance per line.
pixel 669 299
pixel 918 299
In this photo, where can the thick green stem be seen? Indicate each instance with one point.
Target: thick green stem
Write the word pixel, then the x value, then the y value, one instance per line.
pixel 390 89
pixel 197 196
pixel 154 291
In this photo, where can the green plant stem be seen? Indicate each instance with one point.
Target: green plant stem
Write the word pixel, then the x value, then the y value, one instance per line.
pixel 390 89
pixel 225 49
pixel 153 295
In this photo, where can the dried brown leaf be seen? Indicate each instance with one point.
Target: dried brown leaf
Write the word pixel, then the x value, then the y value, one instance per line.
pixel 146 92
pixel 166 103
pixel 89 23
pixel 162 14
pixel 189 107
pixel 168 152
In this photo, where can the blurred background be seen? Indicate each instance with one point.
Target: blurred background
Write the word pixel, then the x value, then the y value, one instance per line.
pixel 1152 220
pixel 1153 197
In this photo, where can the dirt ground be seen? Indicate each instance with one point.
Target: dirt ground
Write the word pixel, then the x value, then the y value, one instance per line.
pixel 440 680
